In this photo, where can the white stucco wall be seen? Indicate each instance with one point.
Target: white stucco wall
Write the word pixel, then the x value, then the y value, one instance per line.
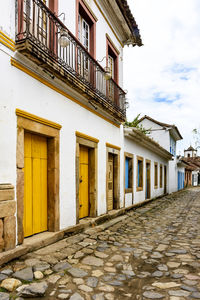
pixel 7 17
pixel 173 176
pixel 137 150
pixel 19 90
pixel 194 178
pixel 159 134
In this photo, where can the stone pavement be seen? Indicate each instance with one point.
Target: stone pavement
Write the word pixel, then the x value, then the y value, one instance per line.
pixel 152 253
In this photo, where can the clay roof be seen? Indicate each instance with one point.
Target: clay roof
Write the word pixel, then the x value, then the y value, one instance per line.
pixel 125 10
pixel 190 149
pixel 162 124
pixel 193 163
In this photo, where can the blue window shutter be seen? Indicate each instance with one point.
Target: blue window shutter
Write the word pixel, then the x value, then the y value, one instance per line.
pixel 126 173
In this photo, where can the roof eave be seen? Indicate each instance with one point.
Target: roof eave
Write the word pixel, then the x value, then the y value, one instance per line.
pixel 147 142
pixel 135 38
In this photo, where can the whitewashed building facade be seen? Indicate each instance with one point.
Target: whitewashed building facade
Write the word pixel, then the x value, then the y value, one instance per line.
pixel 61 110
pixel 146 167
pixel 167 136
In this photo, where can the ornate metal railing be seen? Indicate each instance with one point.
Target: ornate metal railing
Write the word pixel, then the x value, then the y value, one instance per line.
pixel 42 28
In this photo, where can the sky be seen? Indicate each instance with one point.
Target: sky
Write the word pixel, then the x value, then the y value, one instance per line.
pixel 163 76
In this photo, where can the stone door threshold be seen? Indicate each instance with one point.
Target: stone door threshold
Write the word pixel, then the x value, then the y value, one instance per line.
pixel 47 238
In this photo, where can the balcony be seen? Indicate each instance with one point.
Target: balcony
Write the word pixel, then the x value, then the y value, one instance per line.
pixel 39 35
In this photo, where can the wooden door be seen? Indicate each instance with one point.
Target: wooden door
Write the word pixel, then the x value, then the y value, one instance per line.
pixel 35 184
pixel 110 182
pixel 165 179
pixel 83 182
pixel 148 181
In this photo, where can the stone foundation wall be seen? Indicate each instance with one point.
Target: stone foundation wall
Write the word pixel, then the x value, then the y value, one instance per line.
pixel 7 217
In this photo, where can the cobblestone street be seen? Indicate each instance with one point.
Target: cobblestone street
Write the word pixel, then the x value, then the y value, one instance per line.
pixel 152 253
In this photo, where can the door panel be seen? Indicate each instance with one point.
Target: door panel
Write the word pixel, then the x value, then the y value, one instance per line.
pixel 165 179
pixel 35 184
pixel 110 182
pixel 148 181
pixel 28 201
pixel 83 182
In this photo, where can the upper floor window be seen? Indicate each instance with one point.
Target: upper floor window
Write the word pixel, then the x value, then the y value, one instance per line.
pixel 172 146
pixel 84 32
pixel 86 28
pixel 112 60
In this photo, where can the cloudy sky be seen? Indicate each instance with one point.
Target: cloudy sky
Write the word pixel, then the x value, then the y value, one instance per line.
pixel 163 76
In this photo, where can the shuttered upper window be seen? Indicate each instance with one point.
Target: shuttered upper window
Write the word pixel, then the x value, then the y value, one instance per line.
pixel 128 173
pixel 155 175
pixel 139 174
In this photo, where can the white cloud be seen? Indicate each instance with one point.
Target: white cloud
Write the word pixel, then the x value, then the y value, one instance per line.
pixel 168 65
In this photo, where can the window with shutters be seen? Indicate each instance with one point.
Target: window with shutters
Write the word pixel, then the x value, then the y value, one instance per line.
pixel 155 175
pixel 128 172
pixel 139 173
pixel 86 34
pixel 112 64
pixel 161 176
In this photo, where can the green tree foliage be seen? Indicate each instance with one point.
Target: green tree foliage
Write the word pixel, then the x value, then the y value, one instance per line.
pixel 135 123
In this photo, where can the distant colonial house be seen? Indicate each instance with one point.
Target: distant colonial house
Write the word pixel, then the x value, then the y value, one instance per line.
pixel 146 167
pixel 167 136
pixel 192 174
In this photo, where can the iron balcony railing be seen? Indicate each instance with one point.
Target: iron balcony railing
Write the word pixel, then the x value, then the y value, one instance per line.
pixel 37 24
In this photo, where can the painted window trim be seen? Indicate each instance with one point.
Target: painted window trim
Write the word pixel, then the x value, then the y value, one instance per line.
pixel 90 10
pixel 113 146
pixel 86 137
pixel 130 156
pixel 140 188
pixel 161 176
pixel 24 114
pixel 155 185
pixel 93 20
pixel 110 45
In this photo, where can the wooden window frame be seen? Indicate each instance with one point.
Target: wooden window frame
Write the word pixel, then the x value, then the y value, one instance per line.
pixel 155 177
pixel 161 175
pixel 115 150
pixel 165 179
pixel 140 188
pixel 110 46
pixel 130 157
pixel 30 123
pixel 92 143
pixel 149 162
pixel 86 14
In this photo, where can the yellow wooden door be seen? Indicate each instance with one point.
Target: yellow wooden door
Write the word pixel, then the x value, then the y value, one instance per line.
pixel 110 182
pixel 35 184
pixel 83 182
